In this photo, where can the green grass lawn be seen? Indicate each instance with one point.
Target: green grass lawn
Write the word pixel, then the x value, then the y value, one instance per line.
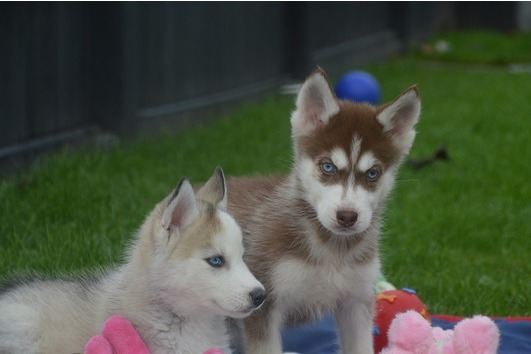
pixel 458 232
pixel 479 47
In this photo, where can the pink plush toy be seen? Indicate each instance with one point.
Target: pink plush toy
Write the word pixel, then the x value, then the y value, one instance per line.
pixel 410 333
pixel 118 336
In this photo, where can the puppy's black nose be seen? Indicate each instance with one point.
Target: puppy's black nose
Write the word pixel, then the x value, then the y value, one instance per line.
pixel 258 296
pixel 346 218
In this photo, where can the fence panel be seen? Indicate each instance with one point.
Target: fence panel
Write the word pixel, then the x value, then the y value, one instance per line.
pixel 42 64
pixel 189 55
pixel 135 66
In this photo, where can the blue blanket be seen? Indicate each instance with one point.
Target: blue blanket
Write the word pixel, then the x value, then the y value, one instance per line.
pixel 321 338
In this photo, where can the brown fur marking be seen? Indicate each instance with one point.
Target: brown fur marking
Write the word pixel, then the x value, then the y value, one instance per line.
pixel 200 233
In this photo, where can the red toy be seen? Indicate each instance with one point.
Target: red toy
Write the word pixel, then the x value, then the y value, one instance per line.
pixel 388 304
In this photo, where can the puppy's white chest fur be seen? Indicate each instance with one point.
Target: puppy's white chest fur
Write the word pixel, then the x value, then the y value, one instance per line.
pixel 311 290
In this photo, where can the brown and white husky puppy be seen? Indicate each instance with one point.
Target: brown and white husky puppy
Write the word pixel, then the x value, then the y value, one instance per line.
pixel 183 275
pixel 312 237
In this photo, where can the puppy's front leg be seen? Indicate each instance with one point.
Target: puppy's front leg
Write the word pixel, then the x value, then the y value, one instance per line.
pixel 354 319
pixel 262 331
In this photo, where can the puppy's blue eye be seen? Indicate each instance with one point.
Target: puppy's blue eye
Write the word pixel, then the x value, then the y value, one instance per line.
pixel 328 168
pixel 372 174
pixel 216 261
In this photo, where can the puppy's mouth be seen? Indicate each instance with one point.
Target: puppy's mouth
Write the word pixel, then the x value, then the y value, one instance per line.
pixel 237 313
pixel 343 233
pixel 245 313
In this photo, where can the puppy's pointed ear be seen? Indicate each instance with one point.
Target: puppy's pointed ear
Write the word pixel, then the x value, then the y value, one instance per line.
pixel 399 118
pixel 316 103
pixel 215 190
pixel 181 209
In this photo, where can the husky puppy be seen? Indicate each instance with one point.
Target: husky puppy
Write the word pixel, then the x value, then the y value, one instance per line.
pixel 184 273
pixel 312 237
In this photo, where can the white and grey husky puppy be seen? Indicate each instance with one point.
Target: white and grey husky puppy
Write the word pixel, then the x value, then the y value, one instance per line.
pixel 183 275
pixel 312 237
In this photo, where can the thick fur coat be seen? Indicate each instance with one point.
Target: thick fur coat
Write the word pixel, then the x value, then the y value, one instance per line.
pixel 183 275
pixel 312 237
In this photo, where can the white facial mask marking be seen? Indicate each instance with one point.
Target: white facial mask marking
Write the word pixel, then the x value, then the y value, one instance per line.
pixel 329 199
pixel 355 148
pixel 366 161
pixel 237 279
pixel 207 289
pixel 339 158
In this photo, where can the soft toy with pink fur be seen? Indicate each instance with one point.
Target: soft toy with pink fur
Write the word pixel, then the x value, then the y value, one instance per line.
pixel 410 333
pixel 118 336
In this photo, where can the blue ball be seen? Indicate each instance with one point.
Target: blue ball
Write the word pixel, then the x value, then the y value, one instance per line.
pixel 358 86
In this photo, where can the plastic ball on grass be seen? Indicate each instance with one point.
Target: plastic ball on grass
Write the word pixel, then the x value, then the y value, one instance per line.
pixel 358 86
